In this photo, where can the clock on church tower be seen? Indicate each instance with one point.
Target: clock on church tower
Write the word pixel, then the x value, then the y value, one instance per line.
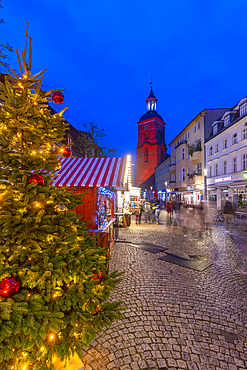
pixel 151 148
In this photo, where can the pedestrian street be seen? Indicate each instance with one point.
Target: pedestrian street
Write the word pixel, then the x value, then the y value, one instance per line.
pixel 176 317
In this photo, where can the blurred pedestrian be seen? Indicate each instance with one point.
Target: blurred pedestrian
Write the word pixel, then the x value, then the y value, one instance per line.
pixel 157 214
pixel 228 214
pixel 169 208
pixel 148 212
pixel 138 214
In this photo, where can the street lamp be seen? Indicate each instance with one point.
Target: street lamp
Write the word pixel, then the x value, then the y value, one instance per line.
pixel 205 184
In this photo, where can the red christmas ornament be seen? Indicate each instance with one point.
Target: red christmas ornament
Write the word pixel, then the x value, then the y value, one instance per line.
pixel 9 287
pixel 58 97
pixel 97 276
pixel 37 178
pixel 66 152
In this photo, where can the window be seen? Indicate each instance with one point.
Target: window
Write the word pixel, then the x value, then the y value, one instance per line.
pixel 194 128
pixel 234 161
pixel 185 137
pixel 183 175
pixel 225 144
pixel 173 146
pixel 179 175
pixel 199 168
pixel 188 173
pixel 198 125
pixel 183 153
pixel 69 141
pixel 146 155
pixel 216 147
pixel 216 169
pixel 146 135
pixel 224 167
pixel 188 134
pixel 210 150
pixel 244 161
pixel 210 171
pixel 188 153
pixel 243 109
pixel 234 138
pixel 159 135
pixel 215 130
pixel 168 167
pixel 244 133
pixel 227 120
pixel 179 155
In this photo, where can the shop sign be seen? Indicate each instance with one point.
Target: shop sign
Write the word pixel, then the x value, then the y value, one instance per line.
pixel 244 174
pixel 190 187
pixel 135 191
pixel 223 179
pixel 199 186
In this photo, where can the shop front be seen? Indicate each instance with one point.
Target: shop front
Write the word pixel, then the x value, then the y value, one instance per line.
pixel 97 180
pixel 234 186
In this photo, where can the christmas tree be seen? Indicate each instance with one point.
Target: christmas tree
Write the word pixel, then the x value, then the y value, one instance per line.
pixel 53 280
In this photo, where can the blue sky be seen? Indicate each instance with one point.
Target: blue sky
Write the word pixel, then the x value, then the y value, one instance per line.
pixel 104 53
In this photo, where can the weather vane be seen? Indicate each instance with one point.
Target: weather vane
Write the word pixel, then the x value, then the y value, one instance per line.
pixel 151 83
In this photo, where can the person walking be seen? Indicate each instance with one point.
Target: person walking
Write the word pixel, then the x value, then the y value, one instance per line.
pixel 228 214
pixel 169 208
pixel 148 212
pixel 138 214
pixel 157 214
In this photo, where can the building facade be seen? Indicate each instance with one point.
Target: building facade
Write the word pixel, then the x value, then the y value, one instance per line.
pixel 162 178
pixel 226 157
pixel 151 149
pixel 187 157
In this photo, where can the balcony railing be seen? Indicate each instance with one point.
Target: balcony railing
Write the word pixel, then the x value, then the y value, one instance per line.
pixel 196 157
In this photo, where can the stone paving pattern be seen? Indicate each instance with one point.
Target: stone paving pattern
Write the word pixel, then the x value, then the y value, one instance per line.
pixel 177 318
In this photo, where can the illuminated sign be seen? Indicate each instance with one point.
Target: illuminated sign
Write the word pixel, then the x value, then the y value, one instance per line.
pixel 244 174
pixel 190 187
pixel 223 179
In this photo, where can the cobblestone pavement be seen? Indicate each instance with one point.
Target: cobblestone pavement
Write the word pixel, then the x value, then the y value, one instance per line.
pixel 176 318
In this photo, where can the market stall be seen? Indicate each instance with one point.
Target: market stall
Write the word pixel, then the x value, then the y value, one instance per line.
pixel 97 179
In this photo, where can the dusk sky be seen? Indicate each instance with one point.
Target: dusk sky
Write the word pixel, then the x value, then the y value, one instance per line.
pixel 104 54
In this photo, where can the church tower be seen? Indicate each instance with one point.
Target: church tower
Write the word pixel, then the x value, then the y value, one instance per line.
pixel 151 148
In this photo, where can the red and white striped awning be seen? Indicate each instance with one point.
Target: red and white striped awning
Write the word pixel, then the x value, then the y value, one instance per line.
pixel 90 172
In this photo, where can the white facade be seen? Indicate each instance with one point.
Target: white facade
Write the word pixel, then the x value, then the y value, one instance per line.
pixel 226 157
pixel 162 178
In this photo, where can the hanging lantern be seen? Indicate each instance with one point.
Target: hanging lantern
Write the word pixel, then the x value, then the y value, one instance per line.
pixel 66 152
pixel 57 97
pixel 9 287
pixel 36 178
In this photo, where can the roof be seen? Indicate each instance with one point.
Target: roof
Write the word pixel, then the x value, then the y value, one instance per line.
pixel 150 114
pixel 90 172
pixel 148 182
pixel 151 95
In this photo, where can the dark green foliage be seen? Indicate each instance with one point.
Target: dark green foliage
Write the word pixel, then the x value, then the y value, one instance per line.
pixel 47 250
